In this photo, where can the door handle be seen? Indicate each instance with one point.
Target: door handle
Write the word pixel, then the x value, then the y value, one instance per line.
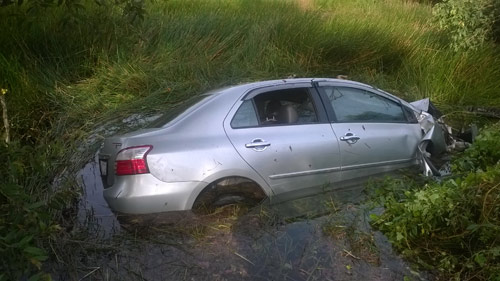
pixel 258 144
pixel 350 138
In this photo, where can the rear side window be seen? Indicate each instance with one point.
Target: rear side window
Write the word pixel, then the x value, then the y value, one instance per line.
pixel 357 105
pixel 280 107
pixel 245 116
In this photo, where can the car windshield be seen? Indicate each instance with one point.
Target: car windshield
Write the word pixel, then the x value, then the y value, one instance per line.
pixel 178 109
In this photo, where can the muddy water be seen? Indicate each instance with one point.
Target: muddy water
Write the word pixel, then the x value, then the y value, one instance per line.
pixel 325 237
pixel 93 211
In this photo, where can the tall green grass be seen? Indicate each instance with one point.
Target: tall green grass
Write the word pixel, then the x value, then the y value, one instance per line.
pixel 97 62
pixel 186 47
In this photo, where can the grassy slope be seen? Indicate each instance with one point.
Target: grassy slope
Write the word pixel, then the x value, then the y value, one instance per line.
pixel 193 47
pixel 67 73
pixel 100 64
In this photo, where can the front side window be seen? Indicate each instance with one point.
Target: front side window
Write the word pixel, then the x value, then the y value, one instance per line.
pixel 280 107
pixel 357 105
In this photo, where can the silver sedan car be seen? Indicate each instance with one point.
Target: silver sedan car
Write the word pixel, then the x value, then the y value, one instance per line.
pixel 277 139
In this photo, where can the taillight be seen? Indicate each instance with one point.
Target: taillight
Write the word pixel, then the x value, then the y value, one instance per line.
pixel 132 160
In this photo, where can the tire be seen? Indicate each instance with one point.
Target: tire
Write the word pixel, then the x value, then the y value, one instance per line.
pixel 228 191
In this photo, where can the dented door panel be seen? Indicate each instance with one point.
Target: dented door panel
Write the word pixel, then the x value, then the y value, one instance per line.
pixel 381 147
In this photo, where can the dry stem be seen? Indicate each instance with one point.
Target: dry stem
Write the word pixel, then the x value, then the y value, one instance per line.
pixel 5 119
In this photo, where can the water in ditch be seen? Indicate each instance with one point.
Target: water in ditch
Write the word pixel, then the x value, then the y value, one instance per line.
pixel 323 237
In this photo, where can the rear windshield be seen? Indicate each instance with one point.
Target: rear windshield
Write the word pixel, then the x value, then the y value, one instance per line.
pixel 177 110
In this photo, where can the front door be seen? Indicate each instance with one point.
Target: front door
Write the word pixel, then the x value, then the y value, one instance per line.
pixel 375 135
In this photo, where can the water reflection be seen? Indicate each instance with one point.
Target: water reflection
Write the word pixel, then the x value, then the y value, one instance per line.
pixel 93 211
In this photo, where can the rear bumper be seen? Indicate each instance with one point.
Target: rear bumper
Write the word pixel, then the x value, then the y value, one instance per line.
pixel 141 194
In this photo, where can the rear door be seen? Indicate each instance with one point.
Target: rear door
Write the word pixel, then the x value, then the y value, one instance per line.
pixel 374 130
pixel 283 133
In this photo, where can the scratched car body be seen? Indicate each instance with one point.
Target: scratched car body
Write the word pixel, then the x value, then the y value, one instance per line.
pixel 271 139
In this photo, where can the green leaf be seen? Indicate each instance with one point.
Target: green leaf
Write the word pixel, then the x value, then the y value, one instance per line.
pixel 480 259
pixel 36 205
pixel 434 197
pixel 25 240
pixel 399 236
pixel 472 227
pixel 34 251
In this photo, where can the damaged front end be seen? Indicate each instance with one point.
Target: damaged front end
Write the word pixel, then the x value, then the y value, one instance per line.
pixel 436 136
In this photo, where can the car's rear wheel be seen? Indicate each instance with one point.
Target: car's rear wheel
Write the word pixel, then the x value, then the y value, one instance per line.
pixel 228 191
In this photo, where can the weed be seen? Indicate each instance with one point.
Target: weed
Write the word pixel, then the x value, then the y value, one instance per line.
pixel 483 154
pixel 452 226
pixel 469 23
pixel 27 207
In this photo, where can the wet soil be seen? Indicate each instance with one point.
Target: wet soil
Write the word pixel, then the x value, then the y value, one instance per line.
pixel 324 237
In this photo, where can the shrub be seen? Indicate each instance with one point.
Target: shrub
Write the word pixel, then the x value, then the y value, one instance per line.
pixel 27 208
pixel 470 23
pixel 452 226
pixel 484 153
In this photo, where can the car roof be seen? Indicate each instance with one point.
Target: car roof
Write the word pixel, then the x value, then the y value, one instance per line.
pixel 229 91
pixel 226 97
pixel 246 87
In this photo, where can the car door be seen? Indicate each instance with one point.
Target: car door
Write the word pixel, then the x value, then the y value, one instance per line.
pixel 375 132
pixel 283 134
